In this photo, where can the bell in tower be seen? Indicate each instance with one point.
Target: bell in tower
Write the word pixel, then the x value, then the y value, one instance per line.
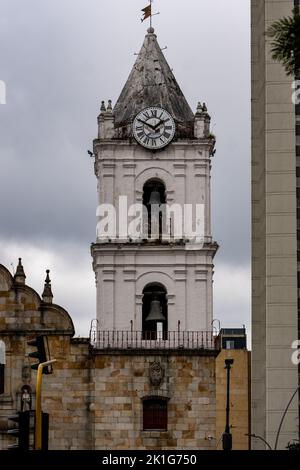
pixel 155 314
pixel 155 320
pixel 154 215
pixel 155 197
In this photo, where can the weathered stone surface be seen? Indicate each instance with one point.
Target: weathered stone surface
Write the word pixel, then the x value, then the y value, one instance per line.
pixel 191 413
pixel 152 83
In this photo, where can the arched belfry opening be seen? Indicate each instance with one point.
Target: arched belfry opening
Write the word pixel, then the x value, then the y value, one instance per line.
pixel 155 312
pixel 154 198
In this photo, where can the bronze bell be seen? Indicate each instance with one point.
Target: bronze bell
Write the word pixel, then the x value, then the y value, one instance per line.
pixel 154 197
pixel 155 313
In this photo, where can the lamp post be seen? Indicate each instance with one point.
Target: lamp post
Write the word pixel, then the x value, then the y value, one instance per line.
pixel 227 436
pixel 214 327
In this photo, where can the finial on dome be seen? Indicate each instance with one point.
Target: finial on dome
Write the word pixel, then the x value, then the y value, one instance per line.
pixel 109 106
pixel 151 30
pixel 47 294
pixel 103 107
pixel 199 109
pixel 20 276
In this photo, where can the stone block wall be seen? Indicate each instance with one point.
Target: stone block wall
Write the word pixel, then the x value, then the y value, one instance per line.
pixel 122 382
pixel 95 398
pixel 65 395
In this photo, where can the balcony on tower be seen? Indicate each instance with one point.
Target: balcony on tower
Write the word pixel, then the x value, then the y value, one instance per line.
pixel 198 341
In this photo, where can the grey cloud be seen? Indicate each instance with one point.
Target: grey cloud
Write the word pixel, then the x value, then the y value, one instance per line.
pixel 59 58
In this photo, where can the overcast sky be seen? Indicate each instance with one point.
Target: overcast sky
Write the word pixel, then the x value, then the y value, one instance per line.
pixel 59 59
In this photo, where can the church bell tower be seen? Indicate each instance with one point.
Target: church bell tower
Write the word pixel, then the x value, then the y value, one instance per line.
pixel 152 345
pixel 153 151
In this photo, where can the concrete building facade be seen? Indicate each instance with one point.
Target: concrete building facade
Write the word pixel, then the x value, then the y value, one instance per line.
pixel 233 344
pixel 274 235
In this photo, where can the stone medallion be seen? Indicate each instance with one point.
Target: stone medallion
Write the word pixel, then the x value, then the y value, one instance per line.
pixel 156 373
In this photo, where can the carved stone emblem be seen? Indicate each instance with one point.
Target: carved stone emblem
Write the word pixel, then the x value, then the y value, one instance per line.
pixel 156 373
pixel 26 373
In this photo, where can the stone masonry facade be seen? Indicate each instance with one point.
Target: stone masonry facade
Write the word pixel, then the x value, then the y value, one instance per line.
pixel 95 397
pixel 122 382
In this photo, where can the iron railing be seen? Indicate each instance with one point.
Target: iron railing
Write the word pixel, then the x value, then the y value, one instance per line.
pixel 132 340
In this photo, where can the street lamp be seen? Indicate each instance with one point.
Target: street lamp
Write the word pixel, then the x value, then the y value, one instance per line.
pixel 227 436
pixel 219 325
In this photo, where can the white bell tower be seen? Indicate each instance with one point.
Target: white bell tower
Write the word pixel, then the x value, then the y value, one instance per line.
pixel 151 283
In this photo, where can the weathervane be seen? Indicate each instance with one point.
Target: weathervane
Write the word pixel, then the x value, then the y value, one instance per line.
pixel 148 13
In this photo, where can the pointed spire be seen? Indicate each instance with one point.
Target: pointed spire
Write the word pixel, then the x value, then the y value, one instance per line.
pixel 47 295
pixel 103 107
pixel 109 106
pixel 199 109
pixel 20 276
pixel 152 83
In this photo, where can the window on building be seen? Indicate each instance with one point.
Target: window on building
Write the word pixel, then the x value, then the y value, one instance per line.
pixel 155 414
pixel 154 196
pixel 229 344
pixel 2 366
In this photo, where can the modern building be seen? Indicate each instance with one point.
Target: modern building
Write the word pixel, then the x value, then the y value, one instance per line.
pixel 145 378
pixel 234 346
pixel 275 235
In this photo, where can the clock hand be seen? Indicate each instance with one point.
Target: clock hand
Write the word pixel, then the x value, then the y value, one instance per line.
pixel 159 124
pixel 146 124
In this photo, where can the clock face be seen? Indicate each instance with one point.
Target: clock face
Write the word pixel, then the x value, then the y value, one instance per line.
pixel 154 128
